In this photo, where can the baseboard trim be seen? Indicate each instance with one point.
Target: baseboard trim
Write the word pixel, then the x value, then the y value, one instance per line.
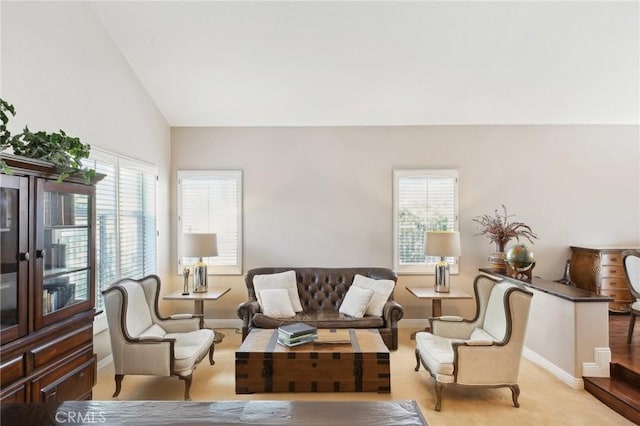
pixel 223 323
pixel 600 367
pixel 573 382
pixel 413 323
pixel 105 362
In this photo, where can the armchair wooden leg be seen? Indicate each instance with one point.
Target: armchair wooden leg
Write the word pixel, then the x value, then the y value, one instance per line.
pixel 417 360
pixel 187 386
pixel 438 396
pixel 632 323
pixel 515 393
pixel 211 349
pixel 118 378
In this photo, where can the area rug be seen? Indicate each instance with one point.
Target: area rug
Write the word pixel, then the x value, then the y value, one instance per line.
pixel 173 413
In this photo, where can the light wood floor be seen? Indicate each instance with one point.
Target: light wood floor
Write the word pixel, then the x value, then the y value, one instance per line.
pixel 544 400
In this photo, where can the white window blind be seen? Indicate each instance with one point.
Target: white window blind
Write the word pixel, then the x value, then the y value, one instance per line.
pixel 424 200
pixel 137 219
pixel 125 182
pixel 210 201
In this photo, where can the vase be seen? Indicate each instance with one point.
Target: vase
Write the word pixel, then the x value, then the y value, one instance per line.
pixel 498 259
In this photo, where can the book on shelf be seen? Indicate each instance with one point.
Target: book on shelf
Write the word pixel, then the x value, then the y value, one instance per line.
pixel 296 329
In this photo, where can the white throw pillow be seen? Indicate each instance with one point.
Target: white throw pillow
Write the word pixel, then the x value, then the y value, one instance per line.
pixel 286 280
pixel 381 288
pixel 276 303
pixel 356 301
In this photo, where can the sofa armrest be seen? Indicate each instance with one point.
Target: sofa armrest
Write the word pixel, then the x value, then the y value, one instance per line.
pixel 392 312
pixel 246 310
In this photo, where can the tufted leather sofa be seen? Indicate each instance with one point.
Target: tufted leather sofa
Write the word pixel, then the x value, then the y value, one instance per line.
pixel 321 292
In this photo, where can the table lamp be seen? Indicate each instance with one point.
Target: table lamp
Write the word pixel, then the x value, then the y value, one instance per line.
pixel 199 245
pixel 443 244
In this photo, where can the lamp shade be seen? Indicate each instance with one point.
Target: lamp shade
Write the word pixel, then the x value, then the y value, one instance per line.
pixel 442 243
pixel 199 245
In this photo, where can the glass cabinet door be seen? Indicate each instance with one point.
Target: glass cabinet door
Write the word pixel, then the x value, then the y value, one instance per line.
pixel 64 246
pixel 14 257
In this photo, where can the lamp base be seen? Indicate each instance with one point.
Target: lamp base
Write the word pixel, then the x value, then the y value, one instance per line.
pixel 442 277
pixel 200 277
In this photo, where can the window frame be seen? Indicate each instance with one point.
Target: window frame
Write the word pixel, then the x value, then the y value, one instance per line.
pixel 112 159
pixel 212 269
pixel 423 268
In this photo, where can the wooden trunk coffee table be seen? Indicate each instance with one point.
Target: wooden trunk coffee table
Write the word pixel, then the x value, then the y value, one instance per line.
pixel 360 364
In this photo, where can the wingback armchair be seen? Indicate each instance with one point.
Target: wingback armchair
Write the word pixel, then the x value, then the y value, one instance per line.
pixel 144 342
pixel 481 352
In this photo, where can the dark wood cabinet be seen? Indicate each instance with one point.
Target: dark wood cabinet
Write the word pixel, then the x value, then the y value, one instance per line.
pixel 47 284
pixel 600 270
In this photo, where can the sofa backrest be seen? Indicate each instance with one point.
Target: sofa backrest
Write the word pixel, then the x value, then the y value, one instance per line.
pixel 321 288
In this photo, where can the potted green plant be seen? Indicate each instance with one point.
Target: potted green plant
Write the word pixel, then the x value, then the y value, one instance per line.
pixel 64 152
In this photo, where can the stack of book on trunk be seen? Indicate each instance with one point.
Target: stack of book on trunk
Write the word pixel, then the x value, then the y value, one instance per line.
pixel 296 334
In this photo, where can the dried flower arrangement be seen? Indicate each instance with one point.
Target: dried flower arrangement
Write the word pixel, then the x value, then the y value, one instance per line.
pixel 500 230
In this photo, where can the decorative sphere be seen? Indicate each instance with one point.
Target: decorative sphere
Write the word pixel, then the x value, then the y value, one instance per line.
pixel 519 257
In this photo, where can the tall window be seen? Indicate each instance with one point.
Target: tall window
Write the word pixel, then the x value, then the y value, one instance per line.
pixel 210 201
pixel 126 227
pixel 423 200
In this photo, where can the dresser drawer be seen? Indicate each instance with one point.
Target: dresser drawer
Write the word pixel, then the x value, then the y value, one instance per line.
pixel 14 393
pixel 612 271
pixel 11 370
pixel 72 383
pixel 611 259
pixel 622 295
pixel 617 283
pixel 61 346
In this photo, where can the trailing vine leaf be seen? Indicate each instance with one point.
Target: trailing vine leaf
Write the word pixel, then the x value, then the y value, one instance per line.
pixel 63 151
pixel 5 135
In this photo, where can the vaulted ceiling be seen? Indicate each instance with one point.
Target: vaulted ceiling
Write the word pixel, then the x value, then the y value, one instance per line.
pixel 309 63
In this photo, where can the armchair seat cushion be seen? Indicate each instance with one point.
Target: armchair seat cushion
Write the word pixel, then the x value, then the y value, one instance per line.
pixel 436 352
pixel 322 319
pixel 190 348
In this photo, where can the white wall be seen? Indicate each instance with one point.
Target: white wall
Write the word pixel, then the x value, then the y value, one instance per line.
pixel 60 70
pixel 323 196
pixel 319 63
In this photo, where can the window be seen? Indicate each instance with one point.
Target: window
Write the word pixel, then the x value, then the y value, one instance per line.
pixel 126 230
pixel 210 201
pixel 423 200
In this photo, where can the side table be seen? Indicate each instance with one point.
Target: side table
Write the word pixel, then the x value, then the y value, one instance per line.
pixel 429 293
pixel 213 293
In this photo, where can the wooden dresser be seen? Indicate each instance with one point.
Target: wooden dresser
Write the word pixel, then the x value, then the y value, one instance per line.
pixel 600 269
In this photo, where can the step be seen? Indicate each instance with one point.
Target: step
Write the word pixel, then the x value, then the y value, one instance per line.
pixel 620 392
